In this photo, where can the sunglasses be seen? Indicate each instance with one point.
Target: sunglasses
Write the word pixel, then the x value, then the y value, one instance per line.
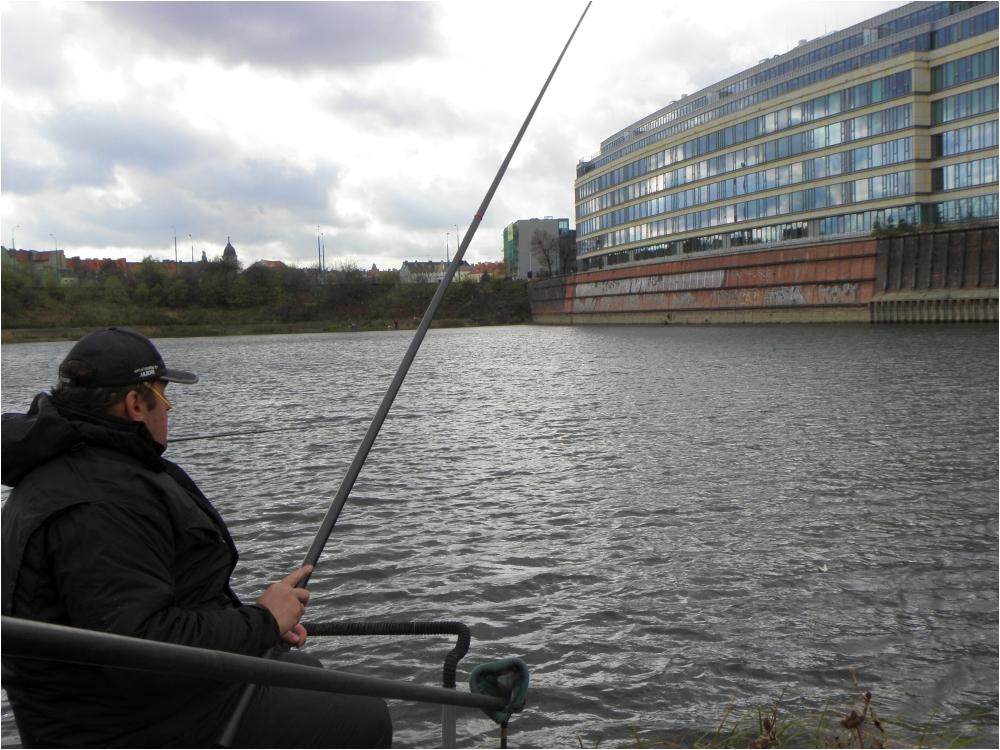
pixel 164 399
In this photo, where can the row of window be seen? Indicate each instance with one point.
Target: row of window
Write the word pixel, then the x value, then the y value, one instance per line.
pixel 981 24
pixel 651 252
pixel 866 157
pixel 701 170
pixel 964 175
pixel 865 222
pixel 821 167
pixel 966 209
pixel 859 222
pixel 855 191
pixel 663 119
pixel 674 114
pixel 927 14
pixel 966 104
pixel 871 188
pixel 613 259
pixel 963 140
pixel 875 123
pixel 962 30
pixel 862 95
pixel 963 70
pixel 817 108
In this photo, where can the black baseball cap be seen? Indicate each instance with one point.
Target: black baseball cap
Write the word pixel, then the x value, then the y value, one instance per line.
pixel 115 357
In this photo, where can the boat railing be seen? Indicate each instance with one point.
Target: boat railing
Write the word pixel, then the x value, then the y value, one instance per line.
pixel 441 627
pixel 28 639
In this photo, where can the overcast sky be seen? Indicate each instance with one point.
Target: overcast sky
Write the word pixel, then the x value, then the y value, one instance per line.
pixel 381 123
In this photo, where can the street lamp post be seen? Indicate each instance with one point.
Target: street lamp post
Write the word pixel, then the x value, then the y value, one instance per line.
pixel 55 258
pixel 175 251
pixel 192 247
pixel 13 245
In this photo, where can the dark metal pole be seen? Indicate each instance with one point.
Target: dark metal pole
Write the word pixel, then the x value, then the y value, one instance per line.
pixel 333 512
pixel 27 639
pixel 325 529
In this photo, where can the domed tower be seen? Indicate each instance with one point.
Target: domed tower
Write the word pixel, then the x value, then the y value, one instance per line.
pixel 229 255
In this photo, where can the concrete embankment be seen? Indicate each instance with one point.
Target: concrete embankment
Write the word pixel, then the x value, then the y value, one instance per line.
pixel 947 275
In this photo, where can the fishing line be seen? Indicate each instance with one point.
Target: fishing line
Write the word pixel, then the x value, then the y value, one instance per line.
pixel 240 433
pixel 312 556
pixel 330 519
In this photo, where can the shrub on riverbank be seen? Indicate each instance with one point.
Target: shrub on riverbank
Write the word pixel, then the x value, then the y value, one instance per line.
pixel 853 726
pixel 211 298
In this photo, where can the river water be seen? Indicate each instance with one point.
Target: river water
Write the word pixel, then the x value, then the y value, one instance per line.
pixel 665 523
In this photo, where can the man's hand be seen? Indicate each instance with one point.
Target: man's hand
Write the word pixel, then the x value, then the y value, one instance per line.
pixel 297 635
pixel 287 604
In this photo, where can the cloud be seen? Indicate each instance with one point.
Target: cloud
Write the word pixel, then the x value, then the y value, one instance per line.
pixel 289 35
pixel 421 209
pixel 387 109
pixel 384 123
pixel 23 32
pixel 264 185
pixel 95 141
pixel 23 177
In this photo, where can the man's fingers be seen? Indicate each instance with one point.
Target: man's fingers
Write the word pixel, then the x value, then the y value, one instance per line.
pixel 296 635
pixel 293 578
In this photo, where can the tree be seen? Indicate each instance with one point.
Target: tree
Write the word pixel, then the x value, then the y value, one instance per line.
pixel 114 291
pixel 18 288
pixel 149 281
pixel 545 247
pixel 110 269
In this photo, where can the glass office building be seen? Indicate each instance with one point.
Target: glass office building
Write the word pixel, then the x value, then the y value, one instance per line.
pixel 889 123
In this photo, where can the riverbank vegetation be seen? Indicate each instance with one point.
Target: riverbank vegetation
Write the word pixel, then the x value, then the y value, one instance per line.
pixel 217 298
pixel 853 724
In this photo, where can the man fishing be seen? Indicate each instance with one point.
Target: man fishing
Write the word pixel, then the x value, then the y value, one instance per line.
pixel 101 532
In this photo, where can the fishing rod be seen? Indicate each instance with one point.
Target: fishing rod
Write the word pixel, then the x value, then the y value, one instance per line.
pixel 326 527
pixel 333 512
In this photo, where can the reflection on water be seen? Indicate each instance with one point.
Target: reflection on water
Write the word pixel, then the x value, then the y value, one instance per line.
pixel 663 522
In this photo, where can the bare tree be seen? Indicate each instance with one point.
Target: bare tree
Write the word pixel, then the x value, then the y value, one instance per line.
pixel 545 247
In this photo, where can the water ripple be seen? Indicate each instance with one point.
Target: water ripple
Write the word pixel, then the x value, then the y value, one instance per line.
pixel 662 522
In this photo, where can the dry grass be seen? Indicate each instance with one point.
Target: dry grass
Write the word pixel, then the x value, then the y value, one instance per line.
pixel 856 725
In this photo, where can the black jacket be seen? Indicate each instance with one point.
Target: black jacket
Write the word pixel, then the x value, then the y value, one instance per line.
pixel 102 533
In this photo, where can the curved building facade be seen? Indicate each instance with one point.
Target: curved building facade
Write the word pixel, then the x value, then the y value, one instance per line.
pixel 887 125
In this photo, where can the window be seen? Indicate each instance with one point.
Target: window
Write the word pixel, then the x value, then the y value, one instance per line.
pixel 964 69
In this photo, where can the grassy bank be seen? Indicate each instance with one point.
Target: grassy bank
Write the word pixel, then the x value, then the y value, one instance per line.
pixel 32 313
pixel 849 722
pixel 184 330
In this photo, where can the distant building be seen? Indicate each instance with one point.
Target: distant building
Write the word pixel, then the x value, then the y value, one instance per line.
pixel 44 264
pixel 486 270
pixel 95 266
pixel 229 255
pixel 534 248
pixel 420 271
pixel 888 123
